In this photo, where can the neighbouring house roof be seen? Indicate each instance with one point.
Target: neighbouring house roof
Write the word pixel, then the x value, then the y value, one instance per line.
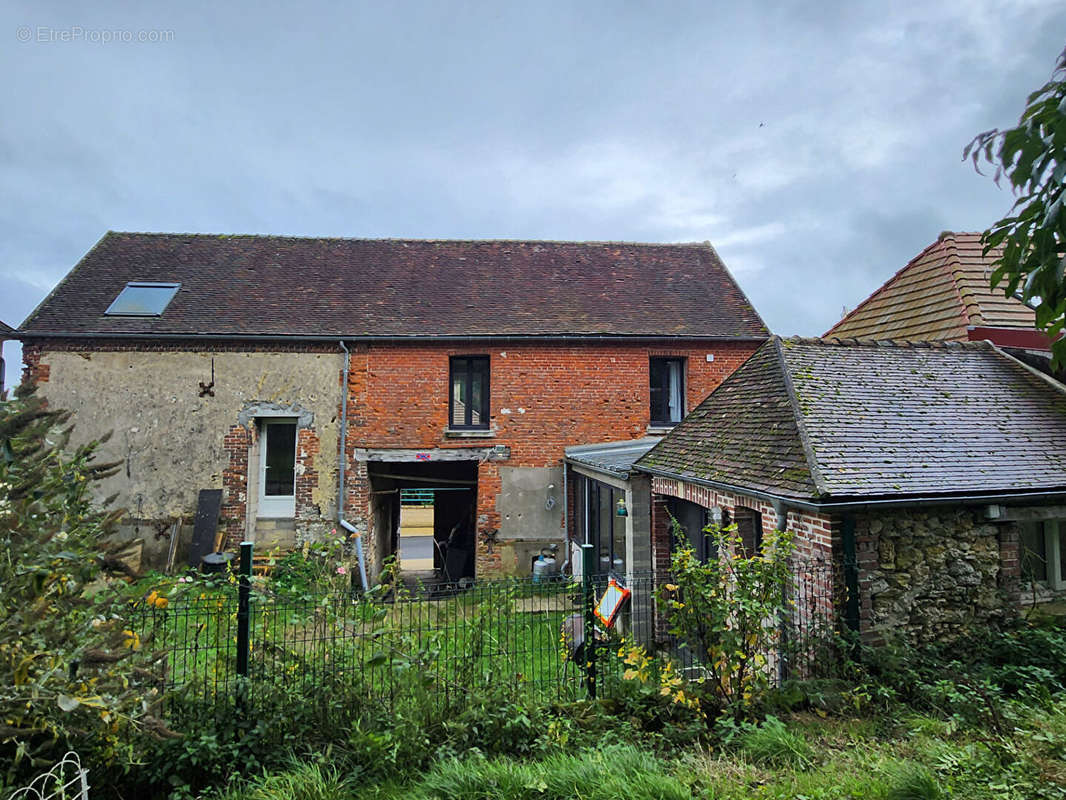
pixel 939 295
pixel 5 328
pixel 611 458
pixel 832 420
pixel 279 286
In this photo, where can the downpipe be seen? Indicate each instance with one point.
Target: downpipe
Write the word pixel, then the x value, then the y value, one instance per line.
pixel 340 472
pixel 566 522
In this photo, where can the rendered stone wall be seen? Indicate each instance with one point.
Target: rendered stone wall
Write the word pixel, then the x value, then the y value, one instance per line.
pixel 930 574
pixel 173 441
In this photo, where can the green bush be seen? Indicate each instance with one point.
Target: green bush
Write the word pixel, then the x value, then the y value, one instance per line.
pixel 71 674
pixel 718 609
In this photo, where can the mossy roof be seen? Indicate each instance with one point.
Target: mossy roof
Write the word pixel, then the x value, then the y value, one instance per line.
pixel 830 419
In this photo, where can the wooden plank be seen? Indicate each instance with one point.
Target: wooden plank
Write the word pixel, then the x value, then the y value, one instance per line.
pixel 205 525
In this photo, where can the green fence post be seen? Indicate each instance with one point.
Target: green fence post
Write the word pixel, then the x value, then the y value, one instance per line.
pixel 244 594
pixel 588 560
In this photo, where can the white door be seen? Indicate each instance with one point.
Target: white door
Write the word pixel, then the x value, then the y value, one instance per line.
pixel 277 469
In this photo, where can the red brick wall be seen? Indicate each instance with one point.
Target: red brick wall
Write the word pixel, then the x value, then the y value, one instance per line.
pixel 307 475
pixel 555 395
pixel 543 397
pixel 236 444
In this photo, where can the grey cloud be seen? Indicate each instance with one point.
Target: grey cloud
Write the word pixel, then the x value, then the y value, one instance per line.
pixel 819 146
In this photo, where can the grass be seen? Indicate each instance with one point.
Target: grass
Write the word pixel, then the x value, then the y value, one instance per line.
pixel 843 759
pixel 501 632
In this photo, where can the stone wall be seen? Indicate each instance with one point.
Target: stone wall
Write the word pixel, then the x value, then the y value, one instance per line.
pixel 928 575
pixel 175 439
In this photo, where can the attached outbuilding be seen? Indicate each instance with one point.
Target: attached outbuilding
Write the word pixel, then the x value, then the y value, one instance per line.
pixel 931 476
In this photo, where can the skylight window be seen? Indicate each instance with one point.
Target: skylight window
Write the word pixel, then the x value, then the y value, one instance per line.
pixel 143 299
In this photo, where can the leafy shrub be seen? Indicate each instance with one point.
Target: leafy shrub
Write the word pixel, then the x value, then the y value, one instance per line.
pixel 719 610
pixel 71 673
pixel 320 566
pixel 971 679
pixel 653 698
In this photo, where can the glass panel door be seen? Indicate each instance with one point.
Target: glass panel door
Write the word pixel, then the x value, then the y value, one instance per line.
pixel 277 469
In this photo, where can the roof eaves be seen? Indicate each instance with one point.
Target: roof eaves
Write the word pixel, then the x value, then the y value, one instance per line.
pixel 797 415
pixel 407 337
pixel 844 505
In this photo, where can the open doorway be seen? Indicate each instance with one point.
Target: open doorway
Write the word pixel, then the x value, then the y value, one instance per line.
pixel 425 515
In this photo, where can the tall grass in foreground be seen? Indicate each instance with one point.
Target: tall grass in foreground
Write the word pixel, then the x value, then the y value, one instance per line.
pixel 618 771
pixel 302 781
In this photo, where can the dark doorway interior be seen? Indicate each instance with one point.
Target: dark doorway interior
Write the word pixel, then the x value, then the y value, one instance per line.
pixel 693 519
pixel 454 498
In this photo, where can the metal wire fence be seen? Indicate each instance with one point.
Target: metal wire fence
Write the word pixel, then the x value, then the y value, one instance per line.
pixel 440 643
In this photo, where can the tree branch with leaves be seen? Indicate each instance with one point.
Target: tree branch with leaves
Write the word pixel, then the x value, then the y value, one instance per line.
pixel 1030 243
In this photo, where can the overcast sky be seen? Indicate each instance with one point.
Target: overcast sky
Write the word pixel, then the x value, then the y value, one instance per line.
pixel 817 146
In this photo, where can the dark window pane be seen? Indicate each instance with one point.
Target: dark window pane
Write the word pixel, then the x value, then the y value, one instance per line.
pixel 693 519
pixel 459 397
pixel 280 459
pixel 667 390
pixel 476 395
pixel 749 529
pixel 603 528
pixel 469 398
pixel 619 539
pixel 1033 551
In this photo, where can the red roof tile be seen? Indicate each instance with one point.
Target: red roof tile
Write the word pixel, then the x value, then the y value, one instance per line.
pixel 939 294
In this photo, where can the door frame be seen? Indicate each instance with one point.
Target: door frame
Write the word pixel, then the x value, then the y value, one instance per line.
pixel 275 506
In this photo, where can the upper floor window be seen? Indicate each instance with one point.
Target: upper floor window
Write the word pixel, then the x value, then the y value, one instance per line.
pixel 667 390
pixel 143 299
pixel 468 401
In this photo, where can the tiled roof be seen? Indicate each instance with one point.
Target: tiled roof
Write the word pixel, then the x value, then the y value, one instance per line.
pixel 5 328
pixel 936 296
pixel 875 420
pixel 613 458
pixel 285 286
pixel 744 432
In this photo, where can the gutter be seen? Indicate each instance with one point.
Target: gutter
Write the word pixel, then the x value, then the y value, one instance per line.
pixel 863 505
pixel 340 471
pixel 421 337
